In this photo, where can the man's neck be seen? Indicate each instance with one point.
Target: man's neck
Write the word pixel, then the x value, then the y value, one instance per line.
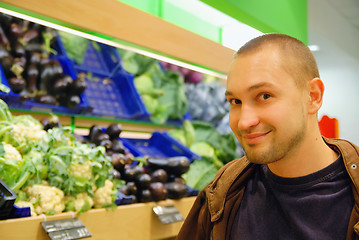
pixel 312 156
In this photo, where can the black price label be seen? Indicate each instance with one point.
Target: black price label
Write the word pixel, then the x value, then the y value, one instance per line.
pixel 66 229
pixel 168 214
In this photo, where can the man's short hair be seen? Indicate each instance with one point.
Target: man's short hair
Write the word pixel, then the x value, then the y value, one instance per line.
pixel 298 60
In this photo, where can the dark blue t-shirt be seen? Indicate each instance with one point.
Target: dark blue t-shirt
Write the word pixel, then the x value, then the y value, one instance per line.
pixel 316 206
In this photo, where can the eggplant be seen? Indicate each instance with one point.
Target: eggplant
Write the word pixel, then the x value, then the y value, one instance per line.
pixel 159 175
pixel 17 50
pixel 106 143
pixel 6 63
pixel 176 190
pixel 173 165
pixel 50 122
pixel 179 180
pixel 37 27
pixel 33 57
pixel 118 161
pixel 114 130
pixel 129 174
pixel 25 95
pixel 60 84
pixel 98 138
pixel 69 101
pixel 5 21
pixel 94 131
pixel 132 188
pixel 115 174
pixel 4 41
pixel 28 36
pixel 46 99
pixel 3 52
pixel 15 30
pixel 78 86
pixel 48 72
pixel 73 101
pixel 17 84
pixel 139 169
pixel 144 196
pixel 117 146
pixel 143 180
pixel 34 47
pixel 31 75
pixel 158 191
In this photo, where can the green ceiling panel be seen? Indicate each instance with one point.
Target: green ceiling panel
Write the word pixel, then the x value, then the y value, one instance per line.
pixel 186 20
pixel 149 6
pixel 283 16
pixel 179 17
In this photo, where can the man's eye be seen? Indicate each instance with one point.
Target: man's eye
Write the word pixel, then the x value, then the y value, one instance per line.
pixel 235 101
pixel 264 96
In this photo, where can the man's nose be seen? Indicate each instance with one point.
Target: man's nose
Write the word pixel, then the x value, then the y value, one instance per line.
pixel 248 118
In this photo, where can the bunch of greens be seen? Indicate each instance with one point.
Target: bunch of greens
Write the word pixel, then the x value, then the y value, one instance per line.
pixel 214 148
pixel 162 91
pixel 75 46
pixel 20 161
pixel 72 166
pixel 28 153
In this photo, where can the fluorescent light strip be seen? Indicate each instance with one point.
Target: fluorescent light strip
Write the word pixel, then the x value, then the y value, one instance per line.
pixel 314 48
pixel 111 43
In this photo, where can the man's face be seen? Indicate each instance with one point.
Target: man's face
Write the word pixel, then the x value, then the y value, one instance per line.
pixel 268 111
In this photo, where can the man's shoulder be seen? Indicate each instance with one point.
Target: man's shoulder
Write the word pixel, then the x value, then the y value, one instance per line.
pixel 346 148
pixel 229 173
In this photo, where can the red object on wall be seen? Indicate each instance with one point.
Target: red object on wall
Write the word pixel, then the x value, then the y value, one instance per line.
pixel 329 127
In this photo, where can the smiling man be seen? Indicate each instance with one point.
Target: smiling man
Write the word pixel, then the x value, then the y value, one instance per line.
pixel 292 183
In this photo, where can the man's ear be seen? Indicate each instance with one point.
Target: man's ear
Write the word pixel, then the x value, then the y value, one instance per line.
pixel 316 91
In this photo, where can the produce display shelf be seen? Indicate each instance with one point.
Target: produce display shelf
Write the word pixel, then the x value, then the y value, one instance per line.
pixel 133 221
pixel 159 145
pixel 98 57
pixel 14 101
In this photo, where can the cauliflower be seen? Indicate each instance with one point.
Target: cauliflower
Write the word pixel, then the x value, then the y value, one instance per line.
pixel 103 195
pixel 80 203
pixel 27 204
pixel 82 170
pixel 46 199
pixel 11 152
pixel 30 131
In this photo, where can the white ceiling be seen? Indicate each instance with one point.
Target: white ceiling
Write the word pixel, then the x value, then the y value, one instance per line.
pixel 333 25
pixel 349 9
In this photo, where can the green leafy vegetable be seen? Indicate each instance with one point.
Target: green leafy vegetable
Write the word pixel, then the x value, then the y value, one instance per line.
pixel 201 172
pixel 214 148
pixel 161 91
pixel 75 46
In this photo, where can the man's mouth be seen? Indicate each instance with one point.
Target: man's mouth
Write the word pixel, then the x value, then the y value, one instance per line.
pixel 253 138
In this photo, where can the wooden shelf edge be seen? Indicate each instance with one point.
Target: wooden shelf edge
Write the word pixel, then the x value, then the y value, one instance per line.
pixel 126 23
pixel 133 221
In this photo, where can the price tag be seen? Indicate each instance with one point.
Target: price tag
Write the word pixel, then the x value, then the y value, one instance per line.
pixel 168 214
pixel 66 229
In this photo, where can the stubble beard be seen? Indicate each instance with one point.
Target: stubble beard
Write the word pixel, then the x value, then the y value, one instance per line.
pixel 275 150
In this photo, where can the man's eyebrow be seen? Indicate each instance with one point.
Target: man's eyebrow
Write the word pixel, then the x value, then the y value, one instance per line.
pixel 251 88
pixel 259 85
pixel 227 93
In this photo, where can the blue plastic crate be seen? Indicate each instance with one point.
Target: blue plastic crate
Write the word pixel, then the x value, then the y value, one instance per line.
pixel 13 99
pixel 10 97
pixel 159 145
pixel 19 212
pixel 113 96
pixel 81 108
pixel 102 61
